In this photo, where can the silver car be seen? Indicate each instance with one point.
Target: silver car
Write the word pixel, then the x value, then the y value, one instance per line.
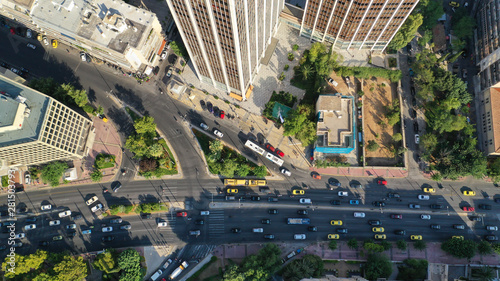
pixel 204 126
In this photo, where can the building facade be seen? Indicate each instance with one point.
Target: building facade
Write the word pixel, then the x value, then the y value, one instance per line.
pixel 350 24
pixel 36 129
pixel 226 39
pixel 109 30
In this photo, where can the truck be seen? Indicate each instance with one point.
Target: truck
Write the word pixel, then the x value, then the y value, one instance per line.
pixel 178 270
pixel 299 221
pixel 235 182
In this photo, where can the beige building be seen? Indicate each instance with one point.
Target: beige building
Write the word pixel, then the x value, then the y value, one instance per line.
pixel 488 118
pixel 35 128
pixel 111 30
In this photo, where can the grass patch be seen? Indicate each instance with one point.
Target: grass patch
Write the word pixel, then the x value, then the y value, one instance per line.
pixel 331 261
pixel 281 97
pixel 393 62
pixel 132 114
pixel 103 161
pixel 199 272
pixel 137 208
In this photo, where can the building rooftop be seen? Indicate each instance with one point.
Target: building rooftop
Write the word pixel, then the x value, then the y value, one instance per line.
pixel 22 112
pixel 495 116
pixel 24 3
pixel 335 125
pixel 110 23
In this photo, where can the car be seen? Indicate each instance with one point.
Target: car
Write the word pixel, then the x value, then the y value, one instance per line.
pixel 312 228
pixel 167 263
pixel 21 210
pixel 199 222
pixel 83 56
pixel 381 182
pixel 414 206
pixel 468 209
pixel 491 238
pixel 126 227
pixel 43 243
pixel 265 221
pixel 359 214
pixel 336 222
pixel 116 221
pixel 272 211
pixel 270 147
pixel 20 235
pixel 393 195
pixel 269 236
pixel 356 185
pixel 497 200
pixel 354 202
pixel 378 204
pixel 425 217
pixel 333 82
pixel 71 226
pixel 146 216
pixel 162 223
pixel 484 207
pixel 54 43
pixel 255 198
pixel 429 190
pixel 302 212
pixel 108 238
pixel 236 230
pixel 378 229
pixel 65 214
pixel 374 222
pixel 181 214
pixel 457 237
pixel 272 199
pixel 335 202
pixel 342 230
pixel 27 179
pixel 435 226
pixel 454 4
pixel 195 232
pixel 76 217
pixel 57 238
pixel 305 201
pixel 285 171
pixel 469 193
pixel 280 153
pixel 107 229
pixel 333 182
pixel 222 114
pixel 491 228
pixel 91 200
pixel 30 226
pixel 400 232
pixel 204 126
pixel 29 33
pixel 116 186
pixel 316 176
pixel 417 138
pixel 210 107
pixel 415 126
pixel 380 236
pixel 475 218
pixel 169 73
pixel 96 208
pixel 436 206
pixel 231 190
pixel 31 219
pixel 333 236
pixel 15 70
pixel 423 197
pixel 342 193
pixel 298 192
pixel 218 133
pixel 397 216
pixel 416 237
pixel 459 226
pixel 45 41
pixel 46 207
pixel 163 55
pixel 54 222
pixel 464 73
pixel 299 236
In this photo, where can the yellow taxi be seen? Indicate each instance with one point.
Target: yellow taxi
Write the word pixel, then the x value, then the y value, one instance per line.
pixel 429 190
pixel 457 237
pixel 469 193
pixel 333 236
pixel 416 237
pixel 336 222
pixel 232 190
pixel 54 43
pixel 378 229
pixel 298 192
pixel 454 4
pixel 380 236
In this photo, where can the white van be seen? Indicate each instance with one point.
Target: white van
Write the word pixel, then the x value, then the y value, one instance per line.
pixel 305 201
pixel 204 213
pixel 156 275
pixel 299 237
pixel 258 230
pixel 359 214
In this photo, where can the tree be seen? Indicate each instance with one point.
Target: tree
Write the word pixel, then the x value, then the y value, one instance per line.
pixel 494 170
pixel 261 265
pixel 179 49
pixel 352 243
pixel 431 11
pixel 332 245
pixel 420 245
pixel 129 261
pixel 458 45
pixel 485 273
pixel 53 172
pixel 71 268
pixel 407 32
pixel 422 41
pixel 106 262
pixel 156 150
pixel 96 175
pixel 413 269
pixel 484 248
pixel 397 137
pixel 464 28
pixel 299 124
pixel 496 248
pixel 377 266
pixel 243 170
pixel 233 274
pixel 78 96
pixel 372 145
pixel 145 125
pixel 228 168
pixel 455 57
pixel 260 171
pixel 429 141
pixel 386 245
pixel 306 71
pixel 24 264
pixel 402 245
pixel 372 247
pixel 45 85
pixel 306 267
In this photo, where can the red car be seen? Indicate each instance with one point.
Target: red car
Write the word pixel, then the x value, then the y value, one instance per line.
pixel 222 114
pixel 381 182
pixel 182 214
pixel 280 153
pixel 12 31
pixel 468 209
pixel 398 217
pixel 270 147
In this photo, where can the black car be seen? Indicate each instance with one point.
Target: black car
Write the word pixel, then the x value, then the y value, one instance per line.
pixel 484 207
pixel 374 222
pixel 255 198
pixel 413 113
pixel 199 222
pixel 413 101
pixel 302 212
pixel 400 232
pixel 146 216
pixel 435 226
pixel 265 221
pixel 108 238
pixel 210 107
pixel 436 206
pixel 269 236
pixel 474 218
pixel 76 217
pixel 459 226
pixel 490 237
pixel 31 219
pixel 342 230
pixel 334 182
pixel 497 200
pixel 117 185
pixel 43 243
pixel 22 210
pixel 216 111
pixel 408 48
pixel 202 103
pixel 393 195
pixel 415 126
pixel 236 230
pixel 312 228
pixel 378 204
pixel 272 211
pixel 335 202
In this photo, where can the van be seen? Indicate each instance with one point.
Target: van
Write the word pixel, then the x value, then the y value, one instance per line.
pixel 305 201
pixel 204 213
pixel 256 230
pixel 156 275
pixel 230 198
pixel 299 237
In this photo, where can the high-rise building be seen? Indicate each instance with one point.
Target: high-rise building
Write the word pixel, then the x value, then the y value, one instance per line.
pixel 350 24
pixel 35 128
pixel 226 39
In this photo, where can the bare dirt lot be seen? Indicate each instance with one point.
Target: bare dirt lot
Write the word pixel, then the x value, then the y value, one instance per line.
pixel 379 93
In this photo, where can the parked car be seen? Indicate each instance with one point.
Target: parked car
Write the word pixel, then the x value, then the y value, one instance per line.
pixel 270 147
pixel 468 209
pixel 381 182
pixel 218 133
pixel 65 214
pixel 91 200
pixel 417 138
pixel 96 208
pixel 30 226
pixel 54 222
pixel 285 171
pixel 334 183
pixel 46 207
pixel 204 126
pixel 169 73
pixel 107 229
pixel 280 153
pixel 484 207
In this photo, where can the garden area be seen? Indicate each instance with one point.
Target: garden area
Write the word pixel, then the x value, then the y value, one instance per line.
pixel 143 208
pixel 283 98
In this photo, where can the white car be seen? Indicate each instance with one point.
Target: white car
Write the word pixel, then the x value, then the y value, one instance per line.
pixel 163 55
pixel 45 41
pixel 285 171
pixel 162 224
pixel 167 263
pixel 359 215
pixel 169 73
pixel 107 229
pixel 417 138
pixel 31 46
pixel 65 214
pixel 54 222
pixel 91 200
pixel 16 71
pixel 30 227
pixel 423 197
pixel 20 235
pixel 333 82
pixel 46 207
pixel 71 226
pixel 492 228
pixel 343 193
pixel 299 237
pixel 27 179
pixel 96 208
pixel 29 34
pixel 305 201
pixel 204 126
pixel 425 217
pixel 218 133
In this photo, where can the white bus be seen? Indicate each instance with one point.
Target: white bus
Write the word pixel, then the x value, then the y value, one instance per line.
pixel 276 160
pixel 255 147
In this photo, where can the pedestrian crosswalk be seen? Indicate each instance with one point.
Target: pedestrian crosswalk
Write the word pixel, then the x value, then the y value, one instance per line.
pixel 216 223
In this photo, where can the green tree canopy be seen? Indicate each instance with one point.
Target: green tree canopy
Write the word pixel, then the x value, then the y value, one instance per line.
pixel 412 269
pixel 432 10
pixel 70 268
pixel 78 96
pixel 484 248
pixel 407 32
pixel 299 124
pixel 306 267
pixel 464 28
pixel 106 262
pixel 377 266
pixel 145 125
pixel 53 172
pixel 460 248
pixel 352 243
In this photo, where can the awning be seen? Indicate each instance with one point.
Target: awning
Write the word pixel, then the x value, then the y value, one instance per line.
pixel 162 46
pixel 236 96
pixel 249 91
